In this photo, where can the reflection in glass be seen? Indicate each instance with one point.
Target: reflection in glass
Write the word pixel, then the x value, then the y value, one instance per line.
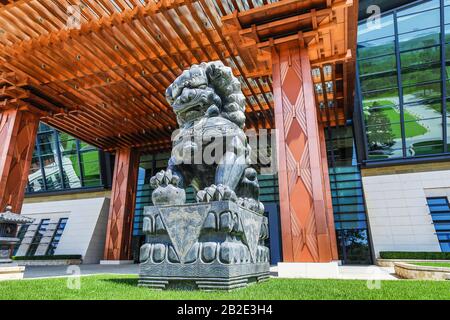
pixel 347 197
pixel 421 65
pixel 59 156
pixel 419 7
pixel 378 81
pixel 417 21
pixel 353 246
pixel 422 91
pixel 420 107
pixel 377 47
pixel 419 39
pixel 376 65
pixel 57 236
pixel 366 30
pixel 91 168
pixel 40 232
pixel 440 213
pixel 424 137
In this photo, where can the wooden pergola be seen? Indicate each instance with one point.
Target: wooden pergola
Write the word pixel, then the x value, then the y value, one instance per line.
pixel 100 73
pixel 98 70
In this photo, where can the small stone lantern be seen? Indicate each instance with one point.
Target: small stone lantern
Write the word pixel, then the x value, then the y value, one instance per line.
pixel 9 223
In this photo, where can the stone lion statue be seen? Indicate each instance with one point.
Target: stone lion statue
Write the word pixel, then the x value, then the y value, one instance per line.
pixel 210 110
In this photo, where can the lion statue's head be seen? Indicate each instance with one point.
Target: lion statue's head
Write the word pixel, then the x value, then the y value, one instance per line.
pixel 207 90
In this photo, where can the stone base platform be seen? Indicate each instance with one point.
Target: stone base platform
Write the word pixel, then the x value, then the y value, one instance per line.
pixel 215 276
pixel 12 272
pixel 208 246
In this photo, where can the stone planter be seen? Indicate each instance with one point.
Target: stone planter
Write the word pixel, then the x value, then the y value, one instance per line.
pixel 391 262
pixel 410 271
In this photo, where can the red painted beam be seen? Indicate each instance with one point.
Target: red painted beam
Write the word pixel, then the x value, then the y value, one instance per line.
pixel 121 211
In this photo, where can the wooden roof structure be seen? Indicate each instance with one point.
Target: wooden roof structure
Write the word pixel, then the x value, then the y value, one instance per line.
pixel 98 69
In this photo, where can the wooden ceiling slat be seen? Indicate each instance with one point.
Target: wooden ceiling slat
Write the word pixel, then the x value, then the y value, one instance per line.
pixel 97 42
pixel 181 36
pixel 194 34
pixel 225 42
pixel 172 40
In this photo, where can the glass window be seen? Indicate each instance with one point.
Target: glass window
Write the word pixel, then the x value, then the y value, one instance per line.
pixel 440 213
pixel 377 47
pixel 447 12
pixel 347 197
pixel 419 39
pixel 35 178
pixel 377 65
pixel 378 81
pixel 384 140
pixel 380 98
pixel 59 161
pixel 91 168
pixel 42 228
pixel 448 133
pixel 366 30
pixel 381 112
pixel 57 236
pixel 419 7
pixel 422 91
pixel 419 20
pixel 421 65
pixel 424 136
pixel 353 245
pixel 20 235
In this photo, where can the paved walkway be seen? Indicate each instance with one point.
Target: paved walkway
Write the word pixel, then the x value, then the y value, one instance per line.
pixel 367 273
pixel 85 269
pixel 345 272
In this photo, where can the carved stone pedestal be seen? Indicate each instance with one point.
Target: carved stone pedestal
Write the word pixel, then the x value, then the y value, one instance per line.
pixel 209 246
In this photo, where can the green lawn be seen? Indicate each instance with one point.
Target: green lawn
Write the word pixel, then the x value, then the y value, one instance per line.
pixel 433 264
pixel 125 287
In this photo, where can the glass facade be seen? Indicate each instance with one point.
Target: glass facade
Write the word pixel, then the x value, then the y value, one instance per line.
pixel 403 68
pixel 349 210
pixel 61 162
pixel 440 212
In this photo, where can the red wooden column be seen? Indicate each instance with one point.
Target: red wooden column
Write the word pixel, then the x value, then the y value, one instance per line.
pixel 18 131
pixel 305 200
pixel 121 211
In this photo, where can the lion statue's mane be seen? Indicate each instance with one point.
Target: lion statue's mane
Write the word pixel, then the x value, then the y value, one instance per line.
pixel 207 98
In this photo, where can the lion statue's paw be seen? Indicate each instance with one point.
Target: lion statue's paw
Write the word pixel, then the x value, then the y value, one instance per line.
pixel 166 191
pixel 216 193
pixel 251 204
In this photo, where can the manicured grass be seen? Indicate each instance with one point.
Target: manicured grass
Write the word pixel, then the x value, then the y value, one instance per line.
pixel 433 264
pixel 125 287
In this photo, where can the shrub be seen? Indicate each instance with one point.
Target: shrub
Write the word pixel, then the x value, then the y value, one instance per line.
pixel 415 255
pixel 54 257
